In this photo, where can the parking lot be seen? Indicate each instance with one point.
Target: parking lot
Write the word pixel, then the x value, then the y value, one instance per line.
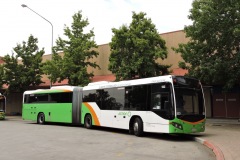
pixel 26 140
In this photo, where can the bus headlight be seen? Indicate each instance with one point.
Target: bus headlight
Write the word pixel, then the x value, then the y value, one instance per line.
pixel 177 125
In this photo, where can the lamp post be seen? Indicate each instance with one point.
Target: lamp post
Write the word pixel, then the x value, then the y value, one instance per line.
pixel 25 6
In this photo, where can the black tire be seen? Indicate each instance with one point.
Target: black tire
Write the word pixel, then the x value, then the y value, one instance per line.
pixel 41 118
pixel 138 127
pixel 88 121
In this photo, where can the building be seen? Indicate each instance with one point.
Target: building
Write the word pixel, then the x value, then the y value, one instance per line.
pixel 217 104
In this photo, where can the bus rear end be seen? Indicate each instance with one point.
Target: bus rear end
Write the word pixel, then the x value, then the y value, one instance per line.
pixel 2 107
pixel 189 106
pixel 2 114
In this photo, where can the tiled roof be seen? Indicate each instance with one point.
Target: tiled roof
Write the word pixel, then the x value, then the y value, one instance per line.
pixel 179 72
pixel 1 61
pixel 65 82
pixel 111 77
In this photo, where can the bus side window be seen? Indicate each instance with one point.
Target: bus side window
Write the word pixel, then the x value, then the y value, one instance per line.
pixel 26 98
pixel 136 97
pixel 41 98
pixel 113 98
pixel 89 96
pixel 100 96
pixel 32 98
pixel 93 96
pixel 62 97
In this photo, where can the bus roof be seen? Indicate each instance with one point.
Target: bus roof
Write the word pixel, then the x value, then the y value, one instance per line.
pixel 105 84
pixel 55 89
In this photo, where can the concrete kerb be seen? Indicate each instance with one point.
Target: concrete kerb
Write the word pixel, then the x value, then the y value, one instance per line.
pixel 216 150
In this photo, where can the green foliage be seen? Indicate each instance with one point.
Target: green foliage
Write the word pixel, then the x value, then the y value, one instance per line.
pixel 135 49
pixel 53 68
pixel 212 54
pixel 77 54
pixel 19 76
pixel 1 75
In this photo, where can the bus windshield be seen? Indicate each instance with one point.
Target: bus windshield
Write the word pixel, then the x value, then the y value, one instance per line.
pixel 189 100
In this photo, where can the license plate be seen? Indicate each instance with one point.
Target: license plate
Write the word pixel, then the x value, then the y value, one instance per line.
pixel 194 129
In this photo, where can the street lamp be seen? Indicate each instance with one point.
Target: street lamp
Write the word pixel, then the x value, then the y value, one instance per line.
pixel 25 6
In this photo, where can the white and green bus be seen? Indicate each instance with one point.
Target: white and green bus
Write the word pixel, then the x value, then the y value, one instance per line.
pixel 2 106
pixel 164 104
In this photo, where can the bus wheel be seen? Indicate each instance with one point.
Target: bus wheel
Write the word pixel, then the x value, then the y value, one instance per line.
pixel 88 121
pixel 138 127
pixel 41 118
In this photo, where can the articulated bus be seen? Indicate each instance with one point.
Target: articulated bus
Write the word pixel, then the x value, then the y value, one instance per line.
pixel 164 104
pixel 2 106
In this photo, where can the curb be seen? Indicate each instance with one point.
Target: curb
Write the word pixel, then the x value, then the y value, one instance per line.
pixel 216 150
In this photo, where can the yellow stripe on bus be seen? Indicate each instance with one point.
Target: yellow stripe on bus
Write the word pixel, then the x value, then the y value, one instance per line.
pixel 94 115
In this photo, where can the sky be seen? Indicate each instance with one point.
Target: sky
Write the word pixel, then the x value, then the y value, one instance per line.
pixel 18 23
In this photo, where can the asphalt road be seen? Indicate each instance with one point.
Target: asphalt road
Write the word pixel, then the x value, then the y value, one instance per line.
pixel 26 140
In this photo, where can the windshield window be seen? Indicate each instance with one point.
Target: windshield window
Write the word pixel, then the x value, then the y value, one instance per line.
pixel 189 101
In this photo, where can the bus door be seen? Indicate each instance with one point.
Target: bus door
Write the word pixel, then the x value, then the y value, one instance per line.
pixel 29 107
pixel 162 101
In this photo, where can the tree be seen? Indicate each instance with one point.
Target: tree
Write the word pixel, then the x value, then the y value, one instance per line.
pixel 78 50
pixel 1 75
pixel 19 76
pixel 135 49
pixel 53 67
pixel 213 54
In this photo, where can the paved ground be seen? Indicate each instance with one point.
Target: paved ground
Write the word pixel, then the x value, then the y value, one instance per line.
pixel 25 140
pixel 224 134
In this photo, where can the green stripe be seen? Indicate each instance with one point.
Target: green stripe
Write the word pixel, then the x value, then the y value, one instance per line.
pixel 186 127
pixel 51 91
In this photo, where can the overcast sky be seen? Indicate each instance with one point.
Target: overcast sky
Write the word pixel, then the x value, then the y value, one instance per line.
pixel 18 23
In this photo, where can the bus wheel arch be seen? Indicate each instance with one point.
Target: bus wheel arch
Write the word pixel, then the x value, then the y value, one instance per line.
pixel 136 126
pixel 41 118
pixel 88 121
